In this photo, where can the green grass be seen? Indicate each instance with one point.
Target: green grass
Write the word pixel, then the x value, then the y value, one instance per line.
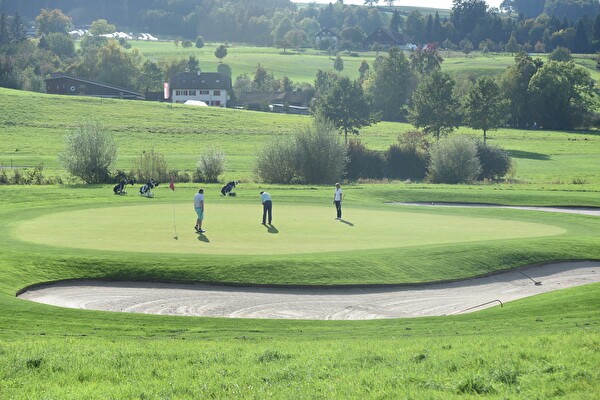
pixel 34 127
pixel 541 347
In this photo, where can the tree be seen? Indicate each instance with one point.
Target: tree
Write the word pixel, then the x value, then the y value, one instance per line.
pixel 561 95
pixel 52 21
pixel 425 59
pixel 60 44
pixel 199 42
pixel 211 164
pixel 101 27
pixel 466 46
pixel 295 38
pixel 512 46
pixel 338 64
pixel 390 85
pixel 434 106
pixel 485 106
pixel 117 66
pixel 89 153
pixel 193 64
pixel 346 106
pixel 221 52
pixel 261 77
pixel 515 83
pixel 363 70
pixel 560 54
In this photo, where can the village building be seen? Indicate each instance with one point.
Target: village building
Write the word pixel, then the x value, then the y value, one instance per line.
pixel 384 37
pixel 212 88
pixel 327 35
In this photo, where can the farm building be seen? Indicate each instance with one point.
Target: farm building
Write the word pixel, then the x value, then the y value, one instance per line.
pixel 328 35
pixel 384 37
pixel 61 83
pixel 282 102
pixel 213 88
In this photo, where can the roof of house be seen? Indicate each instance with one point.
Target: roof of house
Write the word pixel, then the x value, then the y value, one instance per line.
pixel 384 36
pixel 62 75
pixel 326 32
pixel 200 80
pixel 298 98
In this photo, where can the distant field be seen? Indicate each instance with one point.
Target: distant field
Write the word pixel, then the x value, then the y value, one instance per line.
pixel 302 65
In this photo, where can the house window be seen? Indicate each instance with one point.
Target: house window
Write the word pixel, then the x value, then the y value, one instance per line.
pixel 217 92
pixel 203 92
pixel 217 102
pixel 192 92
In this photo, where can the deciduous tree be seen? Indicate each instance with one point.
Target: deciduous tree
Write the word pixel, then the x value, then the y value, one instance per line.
pixel 434 106
pixel 485 106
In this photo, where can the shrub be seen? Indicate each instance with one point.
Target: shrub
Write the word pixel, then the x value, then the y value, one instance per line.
pixel 150 165
pixel 89 153
pixel 275 162
pixel 210 165
pixel 200 42
pixel 320 154
pixel 363 162
pixel 408 159
pixel 454 160
pixel 315 154
pixel 560 54
pixel 495 162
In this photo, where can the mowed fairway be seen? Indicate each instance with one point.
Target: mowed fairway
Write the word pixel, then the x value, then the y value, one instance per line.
pixel 236 229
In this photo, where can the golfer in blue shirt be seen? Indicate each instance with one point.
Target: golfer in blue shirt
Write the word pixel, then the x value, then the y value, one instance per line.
pixel 265 199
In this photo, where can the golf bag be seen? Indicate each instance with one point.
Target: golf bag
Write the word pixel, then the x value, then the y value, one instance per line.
pixel 227 189
pixel 120 187
pixel 146 190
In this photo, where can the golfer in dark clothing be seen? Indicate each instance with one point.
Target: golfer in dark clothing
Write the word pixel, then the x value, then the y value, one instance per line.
pixel 265 198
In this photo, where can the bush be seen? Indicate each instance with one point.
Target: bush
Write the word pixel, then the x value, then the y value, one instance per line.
pixel 363 162
pixel 275 162
pixel 210 165
pixel 89 153
pixel 320 154
pixel 454 160
pixel 408 159
pixel 495 162
pixel 200 42
pixel 150 165
pixel 316 154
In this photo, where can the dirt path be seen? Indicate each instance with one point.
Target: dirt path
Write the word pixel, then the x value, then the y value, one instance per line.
pixel 319 304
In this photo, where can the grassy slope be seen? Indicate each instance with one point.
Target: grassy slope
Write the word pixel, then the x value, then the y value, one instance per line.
pixel 34 126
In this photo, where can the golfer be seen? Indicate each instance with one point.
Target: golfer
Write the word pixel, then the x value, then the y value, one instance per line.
pixel 337 200
pixel 199 207
pixel 265 199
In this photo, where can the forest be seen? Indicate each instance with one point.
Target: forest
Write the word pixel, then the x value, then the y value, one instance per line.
pixel 538 25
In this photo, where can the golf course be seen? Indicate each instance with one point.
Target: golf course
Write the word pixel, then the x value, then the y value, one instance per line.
pixel 543 345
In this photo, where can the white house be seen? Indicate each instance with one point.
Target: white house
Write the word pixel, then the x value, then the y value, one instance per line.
pixel 213 88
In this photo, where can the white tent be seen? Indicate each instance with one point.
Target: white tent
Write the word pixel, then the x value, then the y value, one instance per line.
pixel 195 103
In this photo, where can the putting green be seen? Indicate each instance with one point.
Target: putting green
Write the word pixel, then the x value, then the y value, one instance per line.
pixel 236 229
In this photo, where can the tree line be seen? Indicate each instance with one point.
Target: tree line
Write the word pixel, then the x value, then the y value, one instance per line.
pixel 534 25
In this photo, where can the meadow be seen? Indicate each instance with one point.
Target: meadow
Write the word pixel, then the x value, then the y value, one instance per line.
pixel 300 65
pixel 541 347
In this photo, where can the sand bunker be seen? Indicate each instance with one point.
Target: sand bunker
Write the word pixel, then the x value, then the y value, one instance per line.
pixel 317 304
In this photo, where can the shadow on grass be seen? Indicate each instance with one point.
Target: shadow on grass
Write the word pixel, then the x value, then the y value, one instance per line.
pixel 271 228
pixel 346 222
pixel 528 155
pixel 202 237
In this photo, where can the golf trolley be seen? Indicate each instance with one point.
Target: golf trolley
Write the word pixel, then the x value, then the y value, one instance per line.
pixel 227 189
pixel 146 190
pixel 120 187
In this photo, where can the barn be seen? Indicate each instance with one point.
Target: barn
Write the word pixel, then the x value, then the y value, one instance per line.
pixel 61 83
